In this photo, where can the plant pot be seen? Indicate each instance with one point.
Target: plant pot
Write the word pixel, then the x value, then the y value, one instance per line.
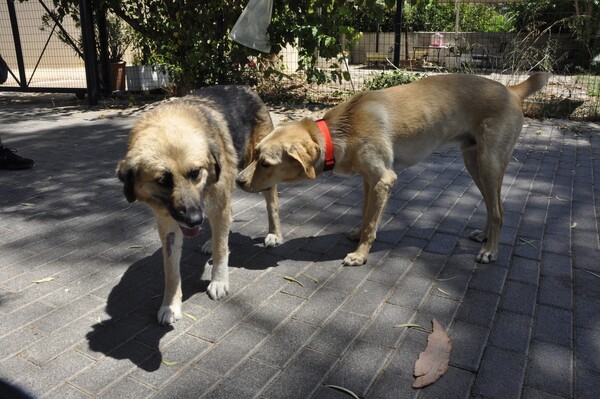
pixel 117 76
pixel 146 77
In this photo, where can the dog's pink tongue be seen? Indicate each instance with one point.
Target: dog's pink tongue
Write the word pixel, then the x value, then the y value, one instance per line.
pixel 190 233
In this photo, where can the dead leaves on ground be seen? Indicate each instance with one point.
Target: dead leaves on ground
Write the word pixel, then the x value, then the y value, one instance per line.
pixel 433 362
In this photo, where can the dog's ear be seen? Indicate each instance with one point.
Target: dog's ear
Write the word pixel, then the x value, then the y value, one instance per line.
pixel 125 174
pixel 306 154
pixel 216 154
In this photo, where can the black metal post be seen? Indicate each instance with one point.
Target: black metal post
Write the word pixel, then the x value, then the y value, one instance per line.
pixel 104 61
pixel 398 32
pixel 89 50
pixel 17 39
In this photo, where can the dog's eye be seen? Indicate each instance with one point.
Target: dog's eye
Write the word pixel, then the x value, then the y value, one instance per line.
pixel 165 180
pixel 194 174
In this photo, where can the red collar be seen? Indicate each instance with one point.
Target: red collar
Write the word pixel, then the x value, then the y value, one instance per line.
pixel 329 156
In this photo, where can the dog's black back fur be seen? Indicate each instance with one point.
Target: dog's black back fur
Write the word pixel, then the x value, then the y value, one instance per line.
pixel 241 108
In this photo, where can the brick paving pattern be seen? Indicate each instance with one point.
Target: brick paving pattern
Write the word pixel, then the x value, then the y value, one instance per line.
pixel 525 326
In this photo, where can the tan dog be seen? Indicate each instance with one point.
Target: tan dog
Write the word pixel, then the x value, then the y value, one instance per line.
pixel 376 132
pixel 182 161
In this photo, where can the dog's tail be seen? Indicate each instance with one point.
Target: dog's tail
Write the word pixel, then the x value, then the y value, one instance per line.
pixel 534 83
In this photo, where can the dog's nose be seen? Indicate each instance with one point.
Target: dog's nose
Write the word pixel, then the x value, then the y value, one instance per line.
pixel 191 217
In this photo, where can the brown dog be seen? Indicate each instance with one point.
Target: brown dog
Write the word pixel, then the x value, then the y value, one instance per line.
pixel 376 132
pixel 182 161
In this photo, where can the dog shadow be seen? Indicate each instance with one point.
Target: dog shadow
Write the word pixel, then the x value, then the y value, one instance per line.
pixel 130 330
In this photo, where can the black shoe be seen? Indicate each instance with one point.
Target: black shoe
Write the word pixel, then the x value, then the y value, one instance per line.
pixel 10 160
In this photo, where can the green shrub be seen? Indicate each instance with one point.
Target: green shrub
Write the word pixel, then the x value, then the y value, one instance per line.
pixel 394 78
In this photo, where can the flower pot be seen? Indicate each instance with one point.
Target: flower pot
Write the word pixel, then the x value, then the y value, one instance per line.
pixel 117 76
pixel 146 77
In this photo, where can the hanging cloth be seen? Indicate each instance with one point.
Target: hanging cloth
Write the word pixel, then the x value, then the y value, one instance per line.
pixel 251 27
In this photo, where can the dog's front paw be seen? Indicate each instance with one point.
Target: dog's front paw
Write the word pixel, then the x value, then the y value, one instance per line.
pixel 485 256
pixel 206 247
pixel 273 240
pixel 169 314
pixel 354 259
pixel 354 234
pixel 218 289
pixel 479 236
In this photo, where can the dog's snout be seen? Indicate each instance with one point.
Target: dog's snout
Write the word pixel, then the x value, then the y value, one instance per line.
pixel 191 217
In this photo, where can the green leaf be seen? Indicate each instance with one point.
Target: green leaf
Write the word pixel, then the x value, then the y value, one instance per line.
pixel 191 316
pixel 412 325
pixel 312 278
pixel 592 273
pixel 167 363
pixel 43 280
pixel 288 278
pixel 528 242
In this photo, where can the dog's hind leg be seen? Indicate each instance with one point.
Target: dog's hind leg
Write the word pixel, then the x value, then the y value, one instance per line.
pixel 377 201
pixel 469 153
pixel 274 238
pixel 492 159
pixel 172 240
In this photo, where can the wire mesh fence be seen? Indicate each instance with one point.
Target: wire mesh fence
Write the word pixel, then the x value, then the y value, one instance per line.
pixel 47 61
pixel 501 40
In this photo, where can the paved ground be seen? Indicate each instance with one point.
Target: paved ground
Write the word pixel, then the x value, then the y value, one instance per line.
pixel 525 326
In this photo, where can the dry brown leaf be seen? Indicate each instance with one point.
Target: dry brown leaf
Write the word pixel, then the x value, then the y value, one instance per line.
pixel 433 362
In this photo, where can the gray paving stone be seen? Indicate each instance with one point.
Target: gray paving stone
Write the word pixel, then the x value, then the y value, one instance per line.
pixel 512 331
pixel 550 369
pixel 359 367
pixel 229 351
pixel 388 386
pixel 519 298
pixel 191 383
pixel 587 385
pixel 382 329
pixel 41 380
pixel 104 372
pixel 478 308
pixel 411 291
pixel 66 391
pixel 455 383
pixel 468 344
pixel 367 298
pixel 554 325
pixel 525 270
pixel 402 362
pixel 220 322
pixel 337 335
pixel 281 346
pixel 530 393
pixel 586 311
pixel 439 306
pixel 489 278
pixel 277 309
pixel 128 387
pixel 555 292
pixel 501 374
pixel 587 349
pixel 321 306
pixel 245 381
pixel 162 364
pixel 302 377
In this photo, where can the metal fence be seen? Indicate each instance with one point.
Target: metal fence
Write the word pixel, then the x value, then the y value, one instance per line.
pixel 507 56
